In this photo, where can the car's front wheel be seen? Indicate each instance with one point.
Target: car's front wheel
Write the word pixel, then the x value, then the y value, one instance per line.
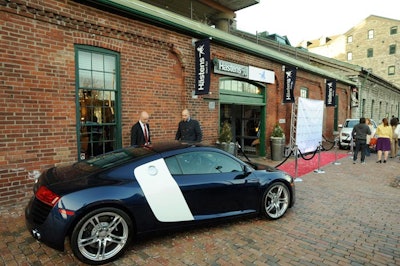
pixel 275 200
pixel 101 236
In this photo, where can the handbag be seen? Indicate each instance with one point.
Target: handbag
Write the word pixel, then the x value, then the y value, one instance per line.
pixel 373 141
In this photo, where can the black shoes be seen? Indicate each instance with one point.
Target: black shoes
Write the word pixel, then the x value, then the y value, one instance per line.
pixel 380 161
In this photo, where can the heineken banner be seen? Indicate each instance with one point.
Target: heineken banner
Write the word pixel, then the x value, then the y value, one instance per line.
pixel 330 93
pixel 290 79
pixel 203 67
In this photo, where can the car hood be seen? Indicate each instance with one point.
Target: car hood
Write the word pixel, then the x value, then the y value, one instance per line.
pixel 260 166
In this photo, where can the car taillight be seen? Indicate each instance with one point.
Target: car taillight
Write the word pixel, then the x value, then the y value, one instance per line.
pixel 47 196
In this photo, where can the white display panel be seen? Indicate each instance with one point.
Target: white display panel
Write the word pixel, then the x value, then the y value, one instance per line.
pixel 310 114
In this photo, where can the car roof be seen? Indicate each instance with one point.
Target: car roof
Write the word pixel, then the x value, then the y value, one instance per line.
pixel 129 153
pixel 166 146
pixel 346 123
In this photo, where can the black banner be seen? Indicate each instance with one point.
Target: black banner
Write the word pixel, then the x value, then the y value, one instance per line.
pixel 330 92
pixel 290 79
pixel 203 67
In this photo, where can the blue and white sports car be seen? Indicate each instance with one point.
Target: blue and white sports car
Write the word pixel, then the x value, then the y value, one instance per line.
pixel 102 203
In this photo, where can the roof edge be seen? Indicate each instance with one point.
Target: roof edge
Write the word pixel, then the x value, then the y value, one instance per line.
pixel 164 17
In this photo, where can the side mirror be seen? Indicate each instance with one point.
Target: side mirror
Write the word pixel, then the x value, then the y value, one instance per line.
pixel 340 125
pixel 247 170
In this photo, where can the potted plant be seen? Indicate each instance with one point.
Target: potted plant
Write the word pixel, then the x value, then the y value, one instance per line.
pixel 277 143
pixel 277 132
pixel 225 138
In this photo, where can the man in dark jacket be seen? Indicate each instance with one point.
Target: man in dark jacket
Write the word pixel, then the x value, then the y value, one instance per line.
pixel 359 134
pixel 188 129
pixel 140 132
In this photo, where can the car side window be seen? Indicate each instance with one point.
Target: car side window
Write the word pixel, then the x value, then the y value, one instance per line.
pixel 204 162
pixel 225 164
pixel 173 165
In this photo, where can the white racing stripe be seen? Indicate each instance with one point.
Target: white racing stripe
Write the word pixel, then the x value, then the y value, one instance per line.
pixel 162 192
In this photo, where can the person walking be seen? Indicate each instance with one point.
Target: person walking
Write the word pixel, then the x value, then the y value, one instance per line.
pixel 369 137
pixel 188 129
pixel 397 133
pixel 394 149
pixel 384 133
pixel 359 133
pixel 140 131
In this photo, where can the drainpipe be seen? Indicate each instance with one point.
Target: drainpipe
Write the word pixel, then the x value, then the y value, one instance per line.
pixel 359 90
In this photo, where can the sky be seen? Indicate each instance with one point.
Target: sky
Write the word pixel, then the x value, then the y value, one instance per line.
pixel 311 19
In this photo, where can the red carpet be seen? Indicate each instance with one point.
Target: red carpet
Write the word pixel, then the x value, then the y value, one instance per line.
pixel 308 166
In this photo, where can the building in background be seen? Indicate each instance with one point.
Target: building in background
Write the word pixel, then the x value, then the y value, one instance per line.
pixel 374 44
pixel 75 76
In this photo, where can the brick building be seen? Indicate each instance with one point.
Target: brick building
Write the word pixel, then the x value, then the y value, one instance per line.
pixel 76 74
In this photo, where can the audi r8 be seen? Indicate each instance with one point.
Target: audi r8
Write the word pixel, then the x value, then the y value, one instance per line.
pixel 101 204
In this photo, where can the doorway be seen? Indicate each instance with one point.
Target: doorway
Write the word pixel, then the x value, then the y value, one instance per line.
pixel 245 122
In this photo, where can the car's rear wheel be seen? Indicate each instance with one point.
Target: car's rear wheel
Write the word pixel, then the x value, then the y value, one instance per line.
pixel 101 236
pixel 275 200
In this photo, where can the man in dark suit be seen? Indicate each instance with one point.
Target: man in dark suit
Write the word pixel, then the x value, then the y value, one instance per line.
pixel 140 132
pixel 188 129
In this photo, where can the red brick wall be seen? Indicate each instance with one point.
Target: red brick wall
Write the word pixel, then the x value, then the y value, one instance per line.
pixel 37 84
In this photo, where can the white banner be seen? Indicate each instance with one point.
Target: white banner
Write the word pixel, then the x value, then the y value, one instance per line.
pixel 310 116
pixel 263 75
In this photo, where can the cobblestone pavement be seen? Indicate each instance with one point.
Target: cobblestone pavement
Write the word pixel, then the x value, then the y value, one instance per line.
pixel 348 215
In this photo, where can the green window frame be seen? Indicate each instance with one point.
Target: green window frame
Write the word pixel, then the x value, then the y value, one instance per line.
pixel 97 88
pixel 391 70
pixel 392 49
pixel 393 30
pixel 370 52
pixel 304 92
pixel 241 91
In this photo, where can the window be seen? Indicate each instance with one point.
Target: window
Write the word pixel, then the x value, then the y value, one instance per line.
pixel 363 102
pixel 393 30
pixel 392 49
pixel 372 108
pixel 370 34
pixel 304 92
pixel 349 39
pixel 349 56
pixel 370 52
pixel 97 90
pixel 203 162
pixel 239 86
pixel 391 70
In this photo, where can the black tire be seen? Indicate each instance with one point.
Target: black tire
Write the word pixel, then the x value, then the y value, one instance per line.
pixel 275 201
pixel 101 236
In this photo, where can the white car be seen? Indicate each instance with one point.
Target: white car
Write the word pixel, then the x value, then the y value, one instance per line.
pixel 345 132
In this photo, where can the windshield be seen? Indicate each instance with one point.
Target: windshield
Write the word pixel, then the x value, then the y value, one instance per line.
pixel 351 123
pixel 113 158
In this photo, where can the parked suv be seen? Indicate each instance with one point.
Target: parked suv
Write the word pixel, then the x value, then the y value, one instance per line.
pixel 345 132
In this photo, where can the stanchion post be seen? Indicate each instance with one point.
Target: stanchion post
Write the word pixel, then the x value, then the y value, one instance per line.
pixel 296 156
pixel 319 171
